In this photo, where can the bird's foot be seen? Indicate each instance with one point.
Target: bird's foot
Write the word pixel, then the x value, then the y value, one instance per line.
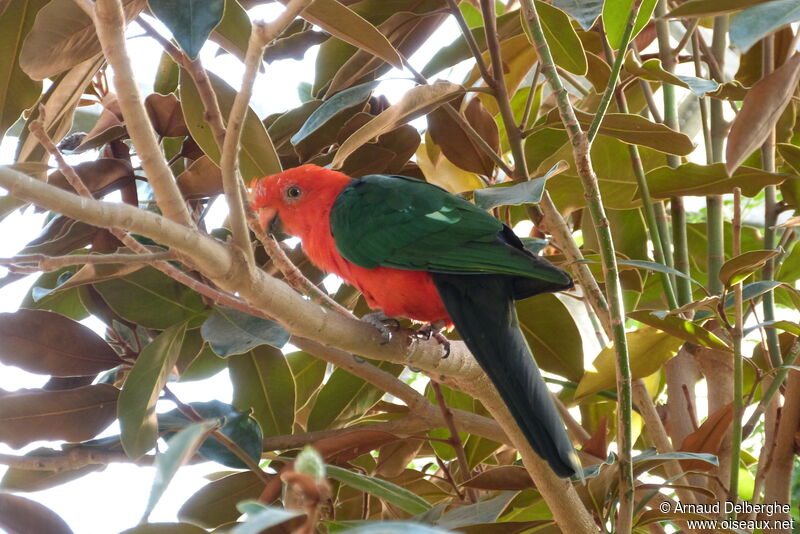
pixel 383 323
pixel 433 330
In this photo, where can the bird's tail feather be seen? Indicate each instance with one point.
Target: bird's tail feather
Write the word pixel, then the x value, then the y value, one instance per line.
pixel 482 309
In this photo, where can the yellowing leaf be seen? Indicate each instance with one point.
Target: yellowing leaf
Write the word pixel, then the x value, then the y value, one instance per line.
pixel 648 349
pixel 440 171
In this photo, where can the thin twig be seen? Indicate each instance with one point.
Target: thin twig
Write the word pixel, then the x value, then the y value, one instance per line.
pixel 70 460
pixel 455 438
pixel 580 143
pixel 737 335
pixel 526 115
pixel 43 262
pixel 470 39
pixel 293 276
pixel 261 35
pixel 226 442
pixel 449 476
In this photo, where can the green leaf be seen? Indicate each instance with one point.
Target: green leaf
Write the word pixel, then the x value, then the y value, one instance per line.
pixel 262 382
pixel 260 517
pixel 233 31
pixel 34 340
pixel 658 267
pixel 753 290
pixel 345 397
pixel 340 21
pixel 455 400
pixel 190 21
pixel 786 326
pixel 648 348
pixel 508 25
pixel 181 447
pixel 704 8
pixel 564 43
pixel 166 75
pixel 137 402
pixel 633 130
pixel 391 493
pixel 751 25
pixel 692 179
pixel 584 11
pixel 151 299
pixel 486 511
pixel 414 103
pixel 229 331
pixel 17 91
pixel 239 426
pixel 552 334
pixel 308 372
pixel 338 103
pixel 257 157
pixel 737 269
pixel 509 194
pixel 615 18
pixel 681 328
pixel 215 503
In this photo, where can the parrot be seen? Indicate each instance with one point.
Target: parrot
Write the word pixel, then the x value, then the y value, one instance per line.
pixel 417 251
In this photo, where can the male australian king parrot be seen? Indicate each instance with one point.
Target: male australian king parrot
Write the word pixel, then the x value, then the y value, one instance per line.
pixel 414 250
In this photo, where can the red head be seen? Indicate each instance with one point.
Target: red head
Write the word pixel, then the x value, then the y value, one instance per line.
pixel 301 197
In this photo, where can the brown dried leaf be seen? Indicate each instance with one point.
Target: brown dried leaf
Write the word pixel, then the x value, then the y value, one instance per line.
pixel 74 415
pixel 101 176
pixel 166 115
pixel 507 477
pixel 707 438
pixel 761 109
pixel 368 159
pixel 202 179
pixel 21 515
pixel 344 447
pixel 597 445
pixel 457 146
pixel 36 341
pixel 395 457
pixel 62 37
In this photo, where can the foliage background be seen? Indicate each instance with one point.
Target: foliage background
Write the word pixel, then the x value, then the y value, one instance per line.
pixel 452 159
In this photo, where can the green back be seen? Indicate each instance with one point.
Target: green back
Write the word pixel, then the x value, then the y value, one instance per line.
pixel 405 223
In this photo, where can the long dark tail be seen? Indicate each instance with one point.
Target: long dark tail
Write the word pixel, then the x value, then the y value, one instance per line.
pixel 482 308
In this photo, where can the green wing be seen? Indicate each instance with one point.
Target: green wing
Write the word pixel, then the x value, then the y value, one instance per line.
pixel 405 223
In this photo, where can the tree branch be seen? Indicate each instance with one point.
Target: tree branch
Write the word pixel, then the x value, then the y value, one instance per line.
pixel 110 25
pixel 581 145
pixel 261 35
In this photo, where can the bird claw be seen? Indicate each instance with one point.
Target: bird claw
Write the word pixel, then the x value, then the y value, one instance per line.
pixel 433 330
pixel 383 324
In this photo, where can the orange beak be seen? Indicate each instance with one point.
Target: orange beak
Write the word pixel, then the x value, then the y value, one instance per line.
pixel 265 217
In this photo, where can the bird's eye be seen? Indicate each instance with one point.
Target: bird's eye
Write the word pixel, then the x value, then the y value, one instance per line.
pixel 293 192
